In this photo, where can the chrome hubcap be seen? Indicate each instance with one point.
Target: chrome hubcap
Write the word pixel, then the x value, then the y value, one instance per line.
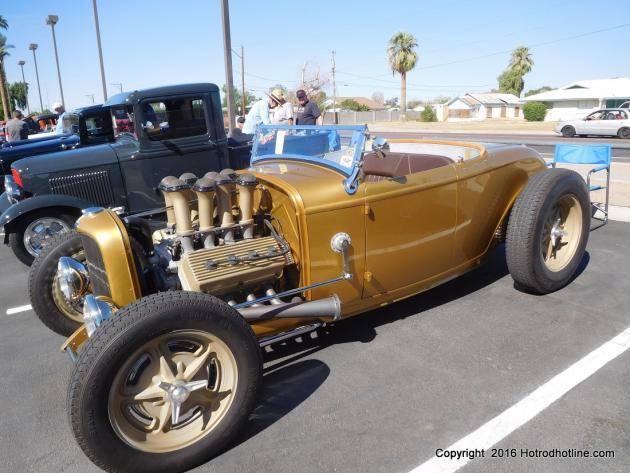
pixel 40 230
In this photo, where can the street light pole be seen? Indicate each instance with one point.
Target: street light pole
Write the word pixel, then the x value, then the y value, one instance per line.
pixel 33 47
pixel 52 21
pixel 100 49
pixel 227 53
pixel 117 84
pixel 243 80
pixel 91 96
pixel 21 64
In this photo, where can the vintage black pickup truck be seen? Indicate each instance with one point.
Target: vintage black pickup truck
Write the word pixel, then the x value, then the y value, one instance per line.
pixel 86 129
pixel 151 133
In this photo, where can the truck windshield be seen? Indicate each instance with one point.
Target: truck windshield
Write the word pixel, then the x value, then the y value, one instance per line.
pixel 339 147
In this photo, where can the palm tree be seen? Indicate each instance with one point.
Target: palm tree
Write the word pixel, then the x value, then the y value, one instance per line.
pixel 4 24
pixel 521 63
pixel 402 58
pixel 4 52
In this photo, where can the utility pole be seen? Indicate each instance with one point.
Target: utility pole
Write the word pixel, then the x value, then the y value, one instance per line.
pixel 303 83
pixel 52 21
pixel 21 64
pixel 243 112
pixel 117 84
pixel 227 53
pixel 91 96
pixel 33 47
pixel 334 88
pixel 100 51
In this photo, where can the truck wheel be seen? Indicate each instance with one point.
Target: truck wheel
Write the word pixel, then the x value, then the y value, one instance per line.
pixel 548 231
pixel 34 231
pixel 568 131
pixel 49 303
pixel 164 384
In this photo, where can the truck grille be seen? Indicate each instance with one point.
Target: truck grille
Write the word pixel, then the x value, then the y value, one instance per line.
pixel 95 267
pixel 93 186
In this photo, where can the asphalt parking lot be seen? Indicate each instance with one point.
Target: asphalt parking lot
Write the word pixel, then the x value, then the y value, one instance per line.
pixel 383 391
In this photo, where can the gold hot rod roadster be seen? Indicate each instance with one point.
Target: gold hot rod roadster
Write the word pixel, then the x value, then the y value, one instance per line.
pixel 167 324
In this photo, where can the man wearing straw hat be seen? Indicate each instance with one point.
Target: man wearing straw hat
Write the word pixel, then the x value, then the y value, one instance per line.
pixel 283 113
pixel 259 113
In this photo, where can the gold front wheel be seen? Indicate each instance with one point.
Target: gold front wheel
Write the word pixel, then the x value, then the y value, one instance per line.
pixel 164 384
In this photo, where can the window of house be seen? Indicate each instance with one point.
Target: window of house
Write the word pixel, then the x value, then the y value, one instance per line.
pixel 174 118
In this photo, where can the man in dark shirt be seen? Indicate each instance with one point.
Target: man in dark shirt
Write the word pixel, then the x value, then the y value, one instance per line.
pixel 16 129
pixel 236 137
pixel 307 112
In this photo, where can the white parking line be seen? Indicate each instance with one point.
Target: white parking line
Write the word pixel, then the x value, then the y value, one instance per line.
pixel 16 310
pixel 525 410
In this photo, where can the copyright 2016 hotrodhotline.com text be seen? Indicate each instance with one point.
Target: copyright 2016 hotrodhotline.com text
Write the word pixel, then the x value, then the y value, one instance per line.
pixel 560 453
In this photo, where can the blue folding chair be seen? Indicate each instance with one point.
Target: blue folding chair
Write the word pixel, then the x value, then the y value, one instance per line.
pixel 598 155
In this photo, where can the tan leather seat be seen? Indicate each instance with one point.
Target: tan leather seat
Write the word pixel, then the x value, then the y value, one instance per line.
pixel 399 164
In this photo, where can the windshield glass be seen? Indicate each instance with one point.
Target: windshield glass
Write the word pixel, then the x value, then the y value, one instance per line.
pixel 338 147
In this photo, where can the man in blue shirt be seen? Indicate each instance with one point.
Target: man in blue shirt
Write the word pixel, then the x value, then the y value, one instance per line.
pixel 259 113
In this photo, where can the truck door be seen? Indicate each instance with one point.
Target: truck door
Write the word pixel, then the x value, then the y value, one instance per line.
pixel 176 134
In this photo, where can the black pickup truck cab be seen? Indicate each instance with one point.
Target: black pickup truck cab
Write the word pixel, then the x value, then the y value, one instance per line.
pixel 85 130
pixel 155 132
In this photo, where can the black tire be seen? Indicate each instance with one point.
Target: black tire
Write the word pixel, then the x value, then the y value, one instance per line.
pixel 41 279
pixel 568 131
pixel 16 239
pixel 525 228
pixel 624 133
pixel 129 329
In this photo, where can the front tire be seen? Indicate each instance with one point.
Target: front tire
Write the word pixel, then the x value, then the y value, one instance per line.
pixel 50 305
pixel 568 131
pixel 624 133
pixel 548 230
pixel 34 231
pixel 124 379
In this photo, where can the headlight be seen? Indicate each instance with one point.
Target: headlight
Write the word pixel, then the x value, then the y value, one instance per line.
pixel 73 278
pixel 95 312
pixel 13 191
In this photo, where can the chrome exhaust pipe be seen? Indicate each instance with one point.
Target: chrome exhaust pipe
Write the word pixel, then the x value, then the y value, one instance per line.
pixel 329 308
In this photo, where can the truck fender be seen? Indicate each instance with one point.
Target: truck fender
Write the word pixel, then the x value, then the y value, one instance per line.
pixel 11 216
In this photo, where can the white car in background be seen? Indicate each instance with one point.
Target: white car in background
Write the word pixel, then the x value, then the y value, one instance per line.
pixel 606 122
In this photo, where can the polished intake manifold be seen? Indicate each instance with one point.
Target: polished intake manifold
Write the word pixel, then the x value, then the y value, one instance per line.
pixel 209 200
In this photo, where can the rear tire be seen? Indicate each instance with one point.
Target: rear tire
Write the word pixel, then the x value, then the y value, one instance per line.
pixel 47 301
pixel 624 133
pixel 568 131
pixel 110 370
pixel 548 230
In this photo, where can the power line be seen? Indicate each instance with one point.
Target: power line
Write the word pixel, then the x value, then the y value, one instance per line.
pixel 427 86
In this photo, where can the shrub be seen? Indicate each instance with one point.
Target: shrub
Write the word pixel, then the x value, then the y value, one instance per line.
pixel 350 104
pixel 428 114
pixel 534 111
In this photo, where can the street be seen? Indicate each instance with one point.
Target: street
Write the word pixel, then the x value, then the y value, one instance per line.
pixel 384 391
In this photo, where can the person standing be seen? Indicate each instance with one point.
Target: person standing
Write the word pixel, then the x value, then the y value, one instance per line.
pixel 16 129
pixel 307 112
pixel 63 120
pixel 283 113
pixel 259 113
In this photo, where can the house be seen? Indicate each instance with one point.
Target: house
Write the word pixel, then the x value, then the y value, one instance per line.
pixel 371 104
pixel 580 98
pixel 470 107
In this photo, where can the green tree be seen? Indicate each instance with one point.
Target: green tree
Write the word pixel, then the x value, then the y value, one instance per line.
pixel 4 52
pixel 4 24
pixel 428 114
pixel 521 61
pixel 238 99
pixel 510 82
pixel 534 111
pixel 19 94
pixel 539 90
pixel 402 57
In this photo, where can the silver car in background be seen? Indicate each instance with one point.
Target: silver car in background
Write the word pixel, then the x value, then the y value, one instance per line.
pixel 605 122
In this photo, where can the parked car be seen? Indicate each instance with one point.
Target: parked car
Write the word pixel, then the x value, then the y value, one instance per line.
pixel 87 130
pixel 606 122
pixel 165 130
pixel 168 362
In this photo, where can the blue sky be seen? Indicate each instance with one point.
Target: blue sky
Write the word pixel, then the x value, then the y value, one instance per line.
pixel 158 42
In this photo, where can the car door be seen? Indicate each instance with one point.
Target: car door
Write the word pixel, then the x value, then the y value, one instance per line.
pixel 176 135
pixel 593 124
pixel 410 223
